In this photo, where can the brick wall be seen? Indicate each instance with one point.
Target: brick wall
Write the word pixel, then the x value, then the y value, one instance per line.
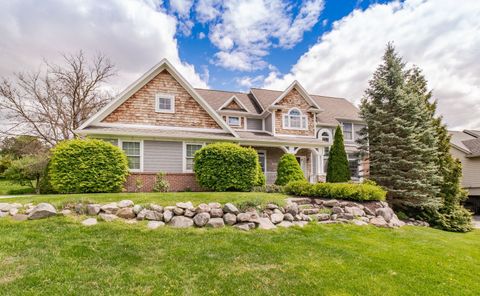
pixel 144 182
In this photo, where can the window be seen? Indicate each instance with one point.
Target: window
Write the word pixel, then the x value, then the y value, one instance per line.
pixel 347 130
pixel 233 120
pixel 325 137
pixel 326 151
pixel 165 103
pixel 294 119
pixel 190 150
pixel 262 158
pixel 132 150
pixel 353 165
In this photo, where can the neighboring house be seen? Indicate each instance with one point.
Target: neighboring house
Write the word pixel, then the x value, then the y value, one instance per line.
pixel 465 145
pixel 161 120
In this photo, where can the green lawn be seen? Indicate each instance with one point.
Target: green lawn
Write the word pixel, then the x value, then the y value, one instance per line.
pixel 7 187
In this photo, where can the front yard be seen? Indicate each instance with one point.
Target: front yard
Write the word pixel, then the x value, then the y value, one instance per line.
pixel 59 256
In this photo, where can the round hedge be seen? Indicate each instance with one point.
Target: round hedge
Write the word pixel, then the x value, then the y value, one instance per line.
pixel 288 170
pixel 81 166
pixel 226 167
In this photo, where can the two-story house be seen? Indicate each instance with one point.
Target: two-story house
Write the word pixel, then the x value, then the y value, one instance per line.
pixel 161 120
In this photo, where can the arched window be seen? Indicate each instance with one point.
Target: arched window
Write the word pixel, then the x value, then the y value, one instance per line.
pixel 325 135
pixel 294 119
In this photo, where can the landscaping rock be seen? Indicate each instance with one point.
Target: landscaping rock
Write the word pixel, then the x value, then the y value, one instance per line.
pixel 107 217
pixel 337 210
pixel 288 217
pixel 323 217
pixel 247 217
pixel 157 208
pixel 230 208
pixel 331 203
pixel 216 213
pixel 20 217
pixel 356 211
pixel 153 215
pixel 347 216
pixel 4 214
pixel 66 212
pixel 181 222
pixel 368 211
pixel 292 208
pixel 89 222
pixel 141 215
pixel 214 205
pixel 13 211
pixel 189 213
pixel 178 211
pixel 167 216
pixel 379 221
pixel 201 219
pixel 359 222
pixel 5 207
pixel 285 224
pixel 265 223
pixel 80 209
pixel 169 208
pixel 310 211
pixel 216 223
pixel 230 218
pixel 300 223
pixel 185 205
pixel 110 208
pixel 137 209
pixel 42 210
pixel 386 213
pixel 155 224
pixel 126 213
pixel 93 209
pixel 125 203
pixel 271 206
pixel 276 218
pixel 203 208
pixel 246 226
pixel 333 216
pixel 395 222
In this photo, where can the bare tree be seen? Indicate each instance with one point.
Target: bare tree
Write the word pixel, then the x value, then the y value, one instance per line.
pixel 51 104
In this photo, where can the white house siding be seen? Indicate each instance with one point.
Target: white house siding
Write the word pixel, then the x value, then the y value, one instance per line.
pixel 159 156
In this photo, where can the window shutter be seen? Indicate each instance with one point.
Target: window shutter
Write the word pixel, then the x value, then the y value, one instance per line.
pixel 285 121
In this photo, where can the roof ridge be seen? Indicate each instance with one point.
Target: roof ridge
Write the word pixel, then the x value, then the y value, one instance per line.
pixel 227 91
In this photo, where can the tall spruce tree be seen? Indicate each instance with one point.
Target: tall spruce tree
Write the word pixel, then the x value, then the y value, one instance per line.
pixel 401 142
pixel 337 169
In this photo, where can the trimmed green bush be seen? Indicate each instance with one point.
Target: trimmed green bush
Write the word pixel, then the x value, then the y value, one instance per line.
pixel 90 165
pixel 226 167
pixel 289 170
pixel 261 180
pixel 337 169
pixel 350 191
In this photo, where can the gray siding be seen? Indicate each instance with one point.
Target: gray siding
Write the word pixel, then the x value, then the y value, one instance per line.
pixel 161 156
pixel 254 124
pixel 470 171
pixel 268 123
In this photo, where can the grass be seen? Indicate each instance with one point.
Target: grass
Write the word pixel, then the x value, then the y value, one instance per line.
pixel 7 187
pixel 58 256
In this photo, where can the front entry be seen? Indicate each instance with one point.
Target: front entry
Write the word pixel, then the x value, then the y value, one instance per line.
pixel 302 161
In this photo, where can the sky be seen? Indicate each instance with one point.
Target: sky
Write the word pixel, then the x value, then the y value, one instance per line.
pixel 331 47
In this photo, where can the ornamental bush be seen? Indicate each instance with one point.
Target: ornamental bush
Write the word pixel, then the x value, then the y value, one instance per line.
pixel 90 165
pixel 289 170
pixel 226 167
pixel 261 180
pixel 350 191
pixel 337 169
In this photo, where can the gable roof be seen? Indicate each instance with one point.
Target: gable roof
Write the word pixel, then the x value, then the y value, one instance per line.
pixel 219 98
pixel 295 84
pixel 164 64
pixel 465 142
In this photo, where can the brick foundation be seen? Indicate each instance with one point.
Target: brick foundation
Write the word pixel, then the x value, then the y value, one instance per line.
pixel 144 182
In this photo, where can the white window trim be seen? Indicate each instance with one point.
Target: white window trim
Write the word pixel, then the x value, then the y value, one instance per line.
pixel 235 125
pixel 265 160
pixel 302 116
pixel 120 145
pixel 164 96
pixel 325 130
pixel 353 131
pixel 184 155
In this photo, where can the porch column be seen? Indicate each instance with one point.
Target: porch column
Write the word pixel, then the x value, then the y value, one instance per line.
pixel 320 161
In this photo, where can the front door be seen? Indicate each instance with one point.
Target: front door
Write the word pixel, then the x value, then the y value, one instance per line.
pixel 302 161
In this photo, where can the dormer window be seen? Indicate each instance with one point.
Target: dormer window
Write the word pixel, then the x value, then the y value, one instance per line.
pixel 165 103
pixel 325 137
pixel 233 120
pixel 294 119
pixel 347 131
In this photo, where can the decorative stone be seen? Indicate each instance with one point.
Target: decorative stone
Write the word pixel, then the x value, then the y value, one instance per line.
pixel 155 224
pixel 126 213
pixel 110 208
pixel 3 214
pixel 184 205
pixel 93 209
pixel 337 210
pixel 246 226
pixel 189 213
pixel 42 210
pixel 247 217
pixel 157 208
pixel 229 218
pixel 167 216
pixel 331 203
pixel 178 211
pixel 20 217
pixel 216 223
pixel 292 208
pixel 265 223
pixel 201 219
pixel 386 213
pixel 181 222
pixel 288 217
pixel 5 207
pixel 80 209
pixel 141 215
pixel 153 215
pixel 285 224
pixel 89 222
pixel 203 208
pixel 214 205
pixel 310 211
pixel 333 216
pixel 359 222
pixel 276 218
pixel 395 222
pixel 323 217
pixel 66 212
pixel 169 208
pixel 347 216
pixel 107 217
pixel 230 208
pixel 379 221
pixel 137 209
pixel 216 213
pixel 271 206
pixel 13 211
pixel 356 211
pixel 125 203
pixel 368 211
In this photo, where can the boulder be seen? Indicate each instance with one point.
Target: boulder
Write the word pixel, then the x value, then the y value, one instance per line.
pixel 201 219
pixel 216 223
pixel 153 215
pixel 333 216
pixel 379 221
pixel 107 217
pixel 93 209
pixel 66 212
pixel 214 205
pixel 203 208
pixel 247 217
pixel 110 208
pixel 181 222
pixel 271 206
pixel 323 217
pixel 359 222
pixel 42 210
pixel 3 214
pixel 137 209
pixel 157 208
pixel 189 213
pixel 337 210
pixel 141 215
pixel 276 218
pixel 347 216
pixel 230 208
pixel 126 213
pixel 288 217
pixel 331 203
pixel 125 203
pixel 265 223
pixel 386 213
pixel 292 208
pixel 178 211
pixel 356 211
pixel 285 224
pixel 155 224
pixel 169 208
pixel 13 211
pixel 80 209
pixel 246 226
pixel 230 218
pixel 20 217
pixel 5 207
pixel 310 211
pixel 89 222
pixel 184 205
pixel 368 211
pixel 216 213
pixel 167 216
pixel 395 222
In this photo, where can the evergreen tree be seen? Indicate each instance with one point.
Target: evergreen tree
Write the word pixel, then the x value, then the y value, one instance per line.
pixel 337 169
pixel 288 170
pixel 401 142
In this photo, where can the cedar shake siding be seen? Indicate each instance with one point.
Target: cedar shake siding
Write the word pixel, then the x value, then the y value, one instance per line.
pixel 233 105
pixel 294 100
pixel 140 107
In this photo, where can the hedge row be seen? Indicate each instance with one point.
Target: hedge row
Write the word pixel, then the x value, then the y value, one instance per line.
pixel 351 191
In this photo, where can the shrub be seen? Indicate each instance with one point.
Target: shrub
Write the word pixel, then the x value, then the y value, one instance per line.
pixel 161 184
pixel 90 165
pixel 337 169
pixel 260 176
pixel 288 170
pixel 27 170
pixel 226 167
pixel 359 192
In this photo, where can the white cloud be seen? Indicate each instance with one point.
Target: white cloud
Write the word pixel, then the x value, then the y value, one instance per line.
pixel 441 37
pixel 245 30
pixel 135 35
pixel 181 7
pixel 247 82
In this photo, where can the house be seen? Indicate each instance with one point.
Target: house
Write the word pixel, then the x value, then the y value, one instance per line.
pixel 161 120
pixel 465 146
